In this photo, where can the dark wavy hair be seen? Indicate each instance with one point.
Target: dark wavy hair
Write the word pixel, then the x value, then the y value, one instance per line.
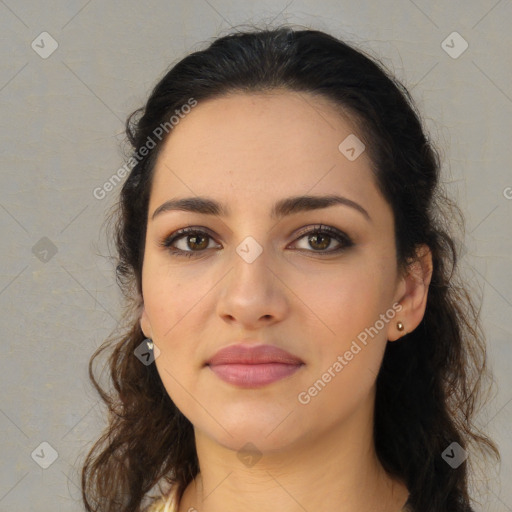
pixel 429 383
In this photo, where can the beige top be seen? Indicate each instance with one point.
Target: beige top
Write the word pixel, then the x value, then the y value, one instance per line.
pixel 169 504
pixel 165 503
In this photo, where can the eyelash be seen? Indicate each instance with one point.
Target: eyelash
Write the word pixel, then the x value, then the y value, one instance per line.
pixel 339 236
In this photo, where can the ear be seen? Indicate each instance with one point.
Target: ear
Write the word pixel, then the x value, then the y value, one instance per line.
pixel 412 293
pixel 145 325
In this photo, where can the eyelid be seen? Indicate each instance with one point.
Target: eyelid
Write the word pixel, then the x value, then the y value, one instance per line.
pixel 314 228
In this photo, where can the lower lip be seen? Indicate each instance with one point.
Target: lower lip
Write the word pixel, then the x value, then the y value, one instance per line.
pixel 254 375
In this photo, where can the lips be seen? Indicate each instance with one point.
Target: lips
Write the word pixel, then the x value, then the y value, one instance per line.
pixel 259 354
pixel 253 366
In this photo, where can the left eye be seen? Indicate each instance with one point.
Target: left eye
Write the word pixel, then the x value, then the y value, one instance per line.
pixel 198 241
pixel 322 236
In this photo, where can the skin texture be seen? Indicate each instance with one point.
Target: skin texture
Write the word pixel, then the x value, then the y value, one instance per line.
pixel 247 151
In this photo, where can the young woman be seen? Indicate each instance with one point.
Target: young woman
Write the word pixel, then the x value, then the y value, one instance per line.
pixel 297 338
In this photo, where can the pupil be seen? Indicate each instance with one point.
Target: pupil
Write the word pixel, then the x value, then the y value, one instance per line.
pixel 193 239
pixel 324 245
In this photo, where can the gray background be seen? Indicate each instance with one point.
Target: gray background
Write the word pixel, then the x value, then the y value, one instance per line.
pixel 62 127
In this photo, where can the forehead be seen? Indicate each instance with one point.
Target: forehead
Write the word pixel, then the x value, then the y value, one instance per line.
pixel 263 146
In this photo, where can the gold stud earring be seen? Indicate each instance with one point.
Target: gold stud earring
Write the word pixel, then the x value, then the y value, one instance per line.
pixel 400 326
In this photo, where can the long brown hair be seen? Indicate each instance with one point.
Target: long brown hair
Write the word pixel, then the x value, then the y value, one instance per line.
pixel 430 382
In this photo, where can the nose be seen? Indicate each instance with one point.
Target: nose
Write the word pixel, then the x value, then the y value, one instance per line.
pixel 252 293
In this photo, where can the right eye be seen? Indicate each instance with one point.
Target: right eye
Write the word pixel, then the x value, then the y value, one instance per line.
pixel 194 238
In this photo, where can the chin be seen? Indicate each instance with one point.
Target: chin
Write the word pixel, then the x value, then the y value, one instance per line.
pixel 267 430
pixel 247 438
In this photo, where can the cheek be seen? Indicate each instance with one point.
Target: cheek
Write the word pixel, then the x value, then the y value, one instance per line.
pixel 169 296
pixel 347 355
pixel 344 299
pixel 346 303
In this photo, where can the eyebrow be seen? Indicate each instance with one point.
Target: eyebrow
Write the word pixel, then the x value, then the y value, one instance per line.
pixel 281 208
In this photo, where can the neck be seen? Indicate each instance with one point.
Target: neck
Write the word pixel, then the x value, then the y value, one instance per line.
pixel 338 469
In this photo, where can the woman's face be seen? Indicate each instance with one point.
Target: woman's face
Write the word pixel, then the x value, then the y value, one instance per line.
pixel 253 278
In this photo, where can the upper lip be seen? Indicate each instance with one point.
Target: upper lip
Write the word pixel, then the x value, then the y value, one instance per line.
pixel 242 353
